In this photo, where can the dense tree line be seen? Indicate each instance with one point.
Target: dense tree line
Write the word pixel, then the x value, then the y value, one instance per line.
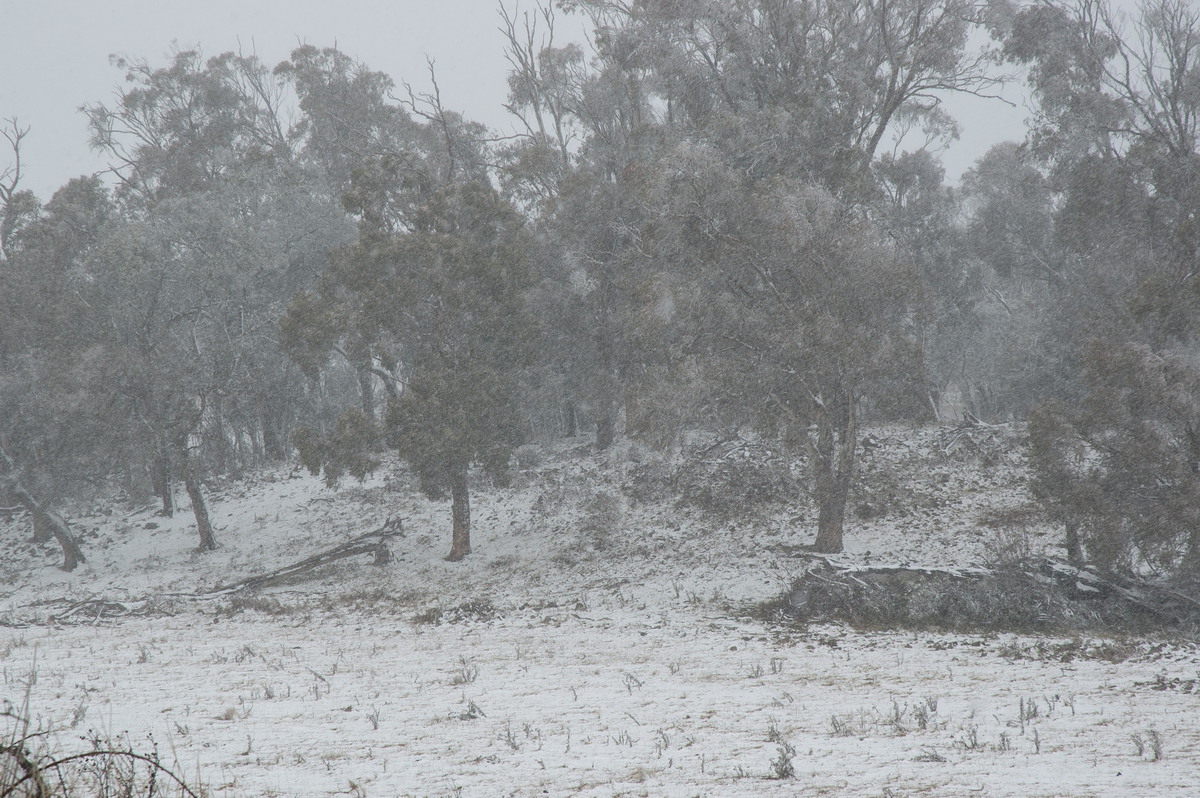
pixel 726 216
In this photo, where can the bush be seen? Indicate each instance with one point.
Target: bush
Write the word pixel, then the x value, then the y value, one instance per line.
pixel 740 482
pixel 602 517
pixel 1121 471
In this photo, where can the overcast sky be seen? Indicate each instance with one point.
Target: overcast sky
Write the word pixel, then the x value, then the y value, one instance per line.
pixel 54 58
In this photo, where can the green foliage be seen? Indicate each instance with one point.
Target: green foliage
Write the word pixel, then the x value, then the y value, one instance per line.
pixel 435 289
pixel 1123 468
pixel 797 301
pixel 801 88
pixel 307 332
pixel 1117 130
pixel 347 115
pixel 349 449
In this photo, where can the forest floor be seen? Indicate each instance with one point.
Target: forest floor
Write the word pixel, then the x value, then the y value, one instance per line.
pixel 605 638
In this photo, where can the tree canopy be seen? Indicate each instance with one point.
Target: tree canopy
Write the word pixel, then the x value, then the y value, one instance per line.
pixel 727 217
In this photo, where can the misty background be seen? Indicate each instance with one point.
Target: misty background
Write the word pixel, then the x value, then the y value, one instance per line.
pixel 54 58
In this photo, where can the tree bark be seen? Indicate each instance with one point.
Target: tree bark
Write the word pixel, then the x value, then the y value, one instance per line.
pixel 606 424
pixel 460 510
pixel 42 531
pixel 608 386
pixel 1073 546
pixel 833 458
pixel 274 443
pixel 42 518
pixel 72 554
pixel 366 392
pixel 570 424
pixel 161 477
pixel 191 482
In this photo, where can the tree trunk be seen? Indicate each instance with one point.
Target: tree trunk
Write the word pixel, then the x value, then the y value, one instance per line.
pixel 366 392
pixel 570 424
pixel 460 509
pixel 72 554
pixel 607 388
pixel 833 459
pixel 42 518
pixel 606 424
pixel 160 475
pixel 830 524
pixel 274 448
pixel 1073 546
pixel 42 531
pixel 191 481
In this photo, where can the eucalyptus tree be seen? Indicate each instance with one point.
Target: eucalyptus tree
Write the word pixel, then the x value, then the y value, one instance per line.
pixel 348 112
pixel 1003 361
pixel 793 308
pixel 18 206
pixel 924 216
pixel 590 125
pixel 436 286
pixel 809 88
pixel 1117 126
pixel 350 116
pixel 221 224
pixel 736 106
pixel 45 446
pixel 1117 123
pixel 1118 469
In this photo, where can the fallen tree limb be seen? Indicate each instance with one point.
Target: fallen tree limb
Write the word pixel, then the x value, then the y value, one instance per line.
pixel 374 542
pixel 97 608
pixel 1049 597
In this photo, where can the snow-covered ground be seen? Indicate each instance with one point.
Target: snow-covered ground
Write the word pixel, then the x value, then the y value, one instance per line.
pixel 600 641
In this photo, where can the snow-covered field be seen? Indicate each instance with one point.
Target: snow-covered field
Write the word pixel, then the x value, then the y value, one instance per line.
pixel 594 644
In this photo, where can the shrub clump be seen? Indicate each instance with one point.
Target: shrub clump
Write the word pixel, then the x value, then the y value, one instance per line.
pixel 30 765
pixel 738 482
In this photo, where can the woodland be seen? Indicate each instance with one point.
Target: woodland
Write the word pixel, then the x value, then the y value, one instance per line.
pixel 720 216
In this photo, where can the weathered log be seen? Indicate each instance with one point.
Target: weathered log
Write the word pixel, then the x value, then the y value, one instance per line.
pixel 374 542
pixel 1051 596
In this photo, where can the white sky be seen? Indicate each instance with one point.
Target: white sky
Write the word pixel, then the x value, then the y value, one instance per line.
pixel 54 58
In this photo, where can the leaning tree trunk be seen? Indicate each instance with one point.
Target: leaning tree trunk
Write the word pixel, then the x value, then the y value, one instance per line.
pixel 460 510
pixel 833 460
pixel 43 530
pixel 191 482
pixel 42 518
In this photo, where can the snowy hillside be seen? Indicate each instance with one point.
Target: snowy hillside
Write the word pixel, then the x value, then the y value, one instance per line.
pixel 605 638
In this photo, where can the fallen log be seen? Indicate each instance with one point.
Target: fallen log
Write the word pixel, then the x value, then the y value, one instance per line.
pixel 98 609
pixel 374 542
pixel 1049 597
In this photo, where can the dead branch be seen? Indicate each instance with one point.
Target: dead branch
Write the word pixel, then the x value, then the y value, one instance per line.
pixel 374 542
